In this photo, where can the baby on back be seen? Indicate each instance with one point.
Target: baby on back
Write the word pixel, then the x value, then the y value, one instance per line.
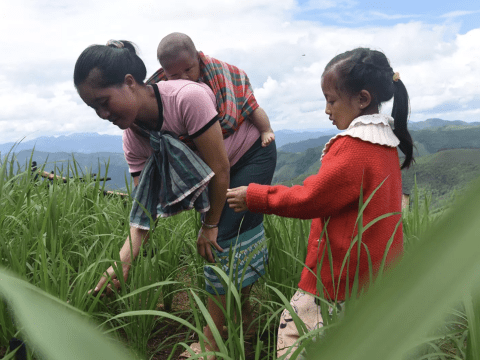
pixel 180 60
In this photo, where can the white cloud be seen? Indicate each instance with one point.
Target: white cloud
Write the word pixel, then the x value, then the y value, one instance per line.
pixel 283 57
pixel 458 13
pixel 328 4
pixel 381 15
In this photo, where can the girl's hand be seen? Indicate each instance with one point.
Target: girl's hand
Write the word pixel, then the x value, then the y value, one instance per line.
pixel 237 198
pixel 206 239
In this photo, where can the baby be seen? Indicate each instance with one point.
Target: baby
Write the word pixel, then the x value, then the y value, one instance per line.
pixel 180 60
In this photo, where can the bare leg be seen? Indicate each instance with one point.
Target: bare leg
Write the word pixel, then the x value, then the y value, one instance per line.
pixel 217 316
pixel 247 309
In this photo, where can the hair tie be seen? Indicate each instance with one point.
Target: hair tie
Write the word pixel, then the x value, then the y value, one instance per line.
pixel 115 43
pixel 396 76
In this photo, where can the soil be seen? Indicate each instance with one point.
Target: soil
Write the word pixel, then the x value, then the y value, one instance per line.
pixel 170 333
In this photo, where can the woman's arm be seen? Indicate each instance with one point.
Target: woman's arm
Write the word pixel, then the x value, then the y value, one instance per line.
pixel 212 150
pixel 128 253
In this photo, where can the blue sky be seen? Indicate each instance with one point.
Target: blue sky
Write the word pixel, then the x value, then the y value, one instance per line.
pixel 353 14
pixel 434 46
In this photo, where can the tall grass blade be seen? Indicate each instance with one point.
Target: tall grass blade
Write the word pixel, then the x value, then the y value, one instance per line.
pixel 413 297
pixel 53 328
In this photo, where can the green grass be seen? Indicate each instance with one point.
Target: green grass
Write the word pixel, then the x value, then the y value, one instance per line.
pixel 56 240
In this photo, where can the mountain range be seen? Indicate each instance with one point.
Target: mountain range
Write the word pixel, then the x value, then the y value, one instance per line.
pixel 429 124
pixel 286 140
pixel 447 156
pixel 88 143
pixel 85 143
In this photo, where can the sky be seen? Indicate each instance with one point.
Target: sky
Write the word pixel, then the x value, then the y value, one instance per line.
pixel 283 45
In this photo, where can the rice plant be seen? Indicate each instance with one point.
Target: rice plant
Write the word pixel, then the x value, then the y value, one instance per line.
pixel 56 239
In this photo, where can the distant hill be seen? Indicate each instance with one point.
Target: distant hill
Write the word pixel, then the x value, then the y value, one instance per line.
pixel 86 143
pixel 443 173
pixel 302 146
pixel 439 174
pixel 94 163
pixel 283 137
pixel 447 158
pixel 287 140
pixel 448 137
pixel 436 123
pixel 293 165
pixel 296 160
pixel 414 127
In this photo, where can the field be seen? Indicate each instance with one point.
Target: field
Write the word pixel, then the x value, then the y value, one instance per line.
pixel 57 239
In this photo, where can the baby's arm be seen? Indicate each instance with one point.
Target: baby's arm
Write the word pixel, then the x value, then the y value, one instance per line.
pixel 259 119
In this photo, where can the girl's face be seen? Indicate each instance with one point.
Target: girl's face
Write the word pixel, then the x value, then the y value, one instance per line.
pixel 116 104
pixel 185 67
pixel 342 108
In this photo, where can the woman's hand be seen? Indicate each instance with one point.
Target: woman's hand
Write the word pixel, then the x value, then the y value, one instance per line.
pixel 110 275
pixel 206 239
pixel 237 198
pixel 130 248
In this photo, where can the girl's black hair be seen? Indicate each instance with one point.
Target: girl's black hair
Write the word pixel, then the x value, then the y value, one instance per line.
pixel 365 69
pixel 113 62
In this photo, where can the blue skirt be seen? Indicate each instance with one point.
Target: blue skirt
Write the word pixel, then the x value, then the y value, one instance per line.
pixel 241 235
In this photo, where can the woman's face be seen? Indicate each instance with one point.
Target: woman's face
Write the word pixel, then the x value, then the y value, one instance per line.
pixel 116 104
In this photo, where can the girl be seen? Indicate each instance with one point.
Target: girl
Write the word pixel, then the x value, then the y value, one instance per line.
pixel 359 160
pixel 168 176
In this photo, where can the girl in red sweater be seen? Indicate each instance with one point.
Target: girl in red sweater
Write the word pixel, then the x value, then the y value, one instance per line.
pixel 362 159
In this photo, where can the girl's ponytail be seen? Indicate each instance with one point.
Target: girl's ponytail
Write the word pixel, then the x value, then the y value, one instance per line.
pixel 363 68
pixel 400 112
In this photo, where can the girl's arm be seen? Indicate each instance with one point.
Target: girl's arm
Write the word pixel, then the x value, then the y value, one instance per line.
pixel 337 185
pixel 212 150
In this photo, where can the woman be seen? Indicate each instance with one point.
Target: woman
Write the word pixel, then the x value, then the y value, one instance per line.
pixel 110 80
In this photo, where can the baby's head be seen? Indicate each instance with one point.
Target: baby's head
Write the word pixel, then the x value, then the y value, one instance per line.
pixel 178 57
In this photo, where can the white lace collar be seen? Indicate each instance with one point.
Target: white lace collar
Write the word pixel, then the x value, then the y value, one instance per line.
pixel 375 128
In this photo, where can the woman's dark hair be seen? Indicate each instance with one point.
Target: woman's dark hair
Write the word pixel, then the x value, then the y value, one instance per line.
pixel 114 62
pixel 365 69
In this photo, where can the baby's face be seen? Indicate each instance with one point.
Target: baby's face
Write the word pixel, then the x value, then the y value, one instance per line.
pixel 185 67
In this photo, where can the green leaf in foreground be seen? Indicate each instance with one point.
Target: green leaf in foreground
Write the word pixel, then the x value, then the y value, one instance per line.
pixel 398 311
pixel 54 329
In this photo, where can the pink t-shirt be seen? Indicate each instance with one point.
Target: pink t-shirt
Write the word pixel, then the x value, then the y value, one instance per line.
pixel 188 108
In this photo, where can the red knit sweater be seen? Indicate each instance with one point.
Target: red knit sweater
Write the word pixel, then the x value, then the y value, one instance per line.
pixel 349 165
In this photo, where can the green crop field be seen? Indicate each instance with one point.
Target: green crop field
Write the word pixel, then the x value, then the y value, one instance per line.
pixel 56 240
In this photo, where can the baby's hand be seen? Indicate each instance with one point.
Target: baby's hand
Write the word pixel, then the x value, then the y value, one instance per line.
pixel 267 137
pixel 237 198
